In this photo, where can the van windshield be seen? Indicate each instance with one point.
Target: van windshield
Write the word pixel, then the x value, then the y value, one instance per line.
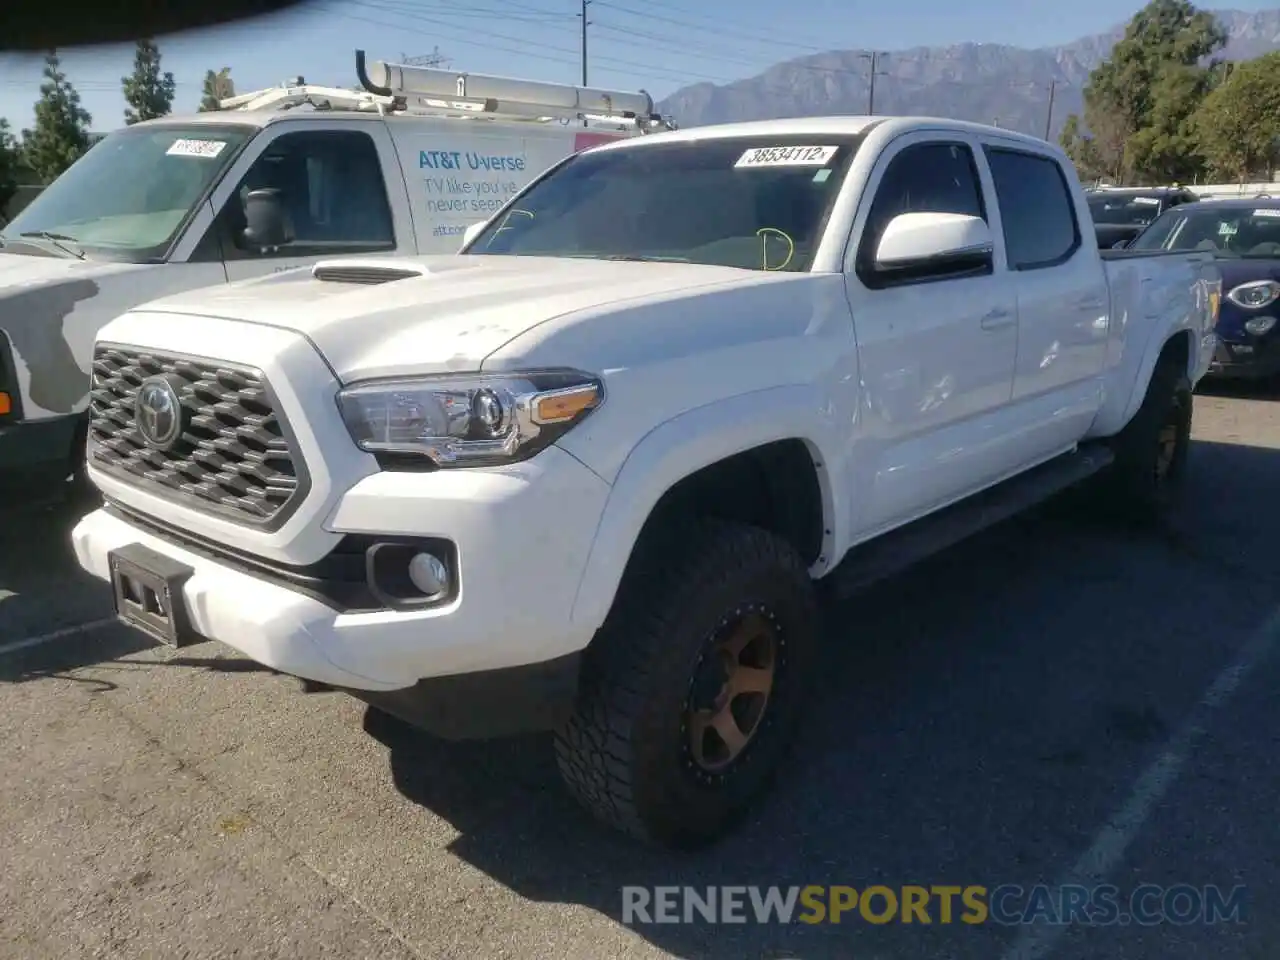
pixel 130 194
pixel 743 202
pixel 1225 231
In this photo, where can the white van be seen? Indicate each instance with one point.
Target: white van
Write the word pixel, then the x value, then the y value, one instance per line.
pixel 277 180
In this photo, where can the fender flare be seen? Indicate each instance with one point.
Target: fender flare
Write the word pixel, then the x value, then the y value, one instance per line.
pixel 1150 357
pixel 1117 412
pixel 678 448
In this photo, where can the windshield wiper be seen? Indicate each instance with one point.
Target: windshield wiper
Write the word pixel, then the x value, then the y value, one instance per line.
pixel 59 240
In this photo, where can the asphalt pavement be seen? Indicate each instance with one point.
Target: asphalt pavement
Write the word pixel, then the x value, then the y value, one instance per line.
pixel 1059 701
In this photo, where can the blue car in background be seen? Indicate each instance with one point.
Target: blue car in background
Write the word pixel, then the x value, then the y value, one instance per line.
pixel 1245 237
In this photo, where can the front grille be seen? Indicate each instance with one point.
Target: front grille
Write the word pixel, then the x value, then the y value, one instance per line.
pixel 231 458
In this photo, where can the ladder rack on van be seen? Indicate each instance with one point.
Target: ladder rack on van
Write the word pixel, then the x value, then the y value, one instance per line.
pixel 391 88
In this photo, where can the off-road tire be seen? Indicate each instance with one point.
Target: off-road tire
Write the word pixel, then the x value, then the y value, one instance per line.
pixel 624 753
pixel 1133 487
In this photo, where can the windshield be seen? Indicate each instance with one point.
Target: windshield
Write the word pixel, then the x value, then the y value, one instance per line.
pixel 749 203
pixel 131 193
pixel 1126 209
pixel 1224 231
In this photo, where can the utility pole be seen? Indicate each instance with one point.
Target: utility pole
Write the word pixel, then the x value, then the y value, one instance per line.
pixel 585 24
pixel 874 57
pixel 1048 121
pixel 432 59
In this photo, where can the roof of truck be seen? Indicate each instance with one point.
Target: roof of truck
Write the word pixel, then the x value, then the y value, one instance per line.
pixel 819 126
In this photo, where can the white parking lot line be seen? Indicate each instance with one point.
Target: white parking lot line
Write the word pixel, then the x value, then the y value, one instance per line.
pixel 1112 841
pixel 16 645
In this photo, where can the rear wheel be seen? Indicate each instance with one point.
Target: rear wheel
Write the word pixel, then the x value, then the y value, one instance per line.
pixel 692 691
pixel 1149 472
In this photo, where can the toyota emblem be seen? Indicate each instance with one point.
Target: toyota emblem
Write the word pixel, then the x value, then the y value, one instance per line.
pixel 158 413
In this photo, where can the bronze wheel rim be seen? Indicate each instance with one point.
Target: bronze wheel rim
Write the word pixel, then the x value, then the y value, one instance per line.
pixel 1168 441
pixel 731 690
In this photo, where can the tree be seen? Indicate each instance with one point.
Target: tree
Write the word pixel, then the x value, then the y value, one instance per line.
pixel 147 91
pixel 1139 103
pixel 61 133
pixel 1239 122
pixel 217 86
pixel 10 157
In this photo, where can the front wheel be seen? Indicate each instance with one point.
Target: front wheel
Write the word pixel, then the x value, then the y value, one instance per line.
pixel 693 689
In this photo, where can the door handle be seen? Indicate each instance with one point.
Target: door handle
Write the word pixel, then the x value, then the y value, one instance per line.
pixel 997 319
pixel 1089 303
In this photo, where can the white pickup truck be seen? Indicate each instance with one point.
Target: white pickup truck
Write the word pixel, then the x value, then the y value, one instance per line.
pixel 588 476
pixel 278 179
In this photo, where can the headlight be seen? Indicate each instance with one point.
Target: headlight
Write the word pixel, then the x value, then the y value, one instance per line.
pixel 1259 325
pixel 469 419
pixel 1256 294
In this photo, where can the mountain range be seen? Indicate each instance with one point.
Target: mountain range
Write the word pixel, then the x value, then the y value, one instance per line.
pixel 984 82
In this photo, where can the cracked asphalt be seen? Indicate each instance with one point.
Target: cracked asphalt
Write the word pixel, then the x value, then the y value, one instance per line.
pixel 1056 701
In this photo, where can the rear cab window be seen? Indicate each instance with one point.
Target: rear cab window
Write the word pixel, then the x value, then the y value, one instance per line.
pixel 1037 208
pixel 1128 208
pixel 748 202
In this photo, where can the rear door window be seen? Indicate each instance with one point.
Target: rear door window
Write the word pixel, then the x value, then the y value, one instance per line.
pixel 1036 208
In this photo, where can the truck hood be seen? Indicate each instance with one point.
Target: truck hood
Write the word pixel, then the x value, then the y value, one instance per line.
pixel 20 271
pixel 451 317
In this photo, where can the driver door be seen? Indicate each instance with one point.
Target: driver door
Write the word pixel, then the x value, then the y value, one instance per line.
pixel 936 352
pixel 333 181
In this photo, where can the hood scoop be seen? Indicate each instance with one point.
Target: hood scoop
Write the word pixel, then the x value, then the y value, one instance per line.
pixel 367 271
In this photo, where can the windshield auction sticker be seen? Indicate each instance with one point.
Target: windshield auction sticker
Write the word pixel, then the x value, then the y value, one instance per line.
pixel 196 148
pixel 787 157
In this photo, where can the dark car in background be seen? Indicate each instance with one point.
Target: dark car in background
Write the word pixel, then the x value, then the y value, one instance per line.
pixel 1244 236
pixel 1121 213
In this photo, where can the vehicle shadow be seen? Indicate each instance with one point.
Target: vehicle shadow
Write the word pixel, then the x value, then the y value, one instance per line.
pixel 980 719
pixel 1266 388
pixel 45 594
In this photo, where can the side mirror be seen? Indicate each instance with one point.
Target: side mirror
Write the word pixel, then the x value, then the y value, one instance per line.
pixel 1119 244
pixel 266 223
pixel 472 232
pixel 929 242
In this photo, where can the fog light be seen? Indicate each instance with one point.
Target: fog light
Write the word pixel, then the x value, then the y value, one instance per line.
pixel 1259 325
pixel 428 573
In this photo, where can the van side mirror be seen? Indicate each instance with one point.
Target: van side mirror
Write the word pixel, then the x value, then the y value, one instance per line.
pixel 925 243
pixel 472 232
pixel 1119 244
pixel 266 223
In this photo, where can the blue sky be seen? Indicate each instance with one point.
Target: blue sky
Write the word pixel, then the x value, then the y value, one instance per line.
pixel 659 45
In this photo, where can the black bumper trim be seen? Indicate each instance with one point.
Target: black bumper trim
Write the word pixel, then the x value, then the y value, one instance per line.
pixel 337 580
pixel 490 704
pixel 37 454
pixel 1229 365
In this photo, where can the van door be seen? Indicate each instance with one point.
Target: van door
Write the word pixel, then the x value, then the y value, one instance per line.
pixel 342 192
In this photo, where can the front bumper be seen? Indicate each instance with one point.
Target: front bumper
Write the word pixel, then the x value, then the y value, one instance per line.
pixel 522 537
pixel 1246 361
